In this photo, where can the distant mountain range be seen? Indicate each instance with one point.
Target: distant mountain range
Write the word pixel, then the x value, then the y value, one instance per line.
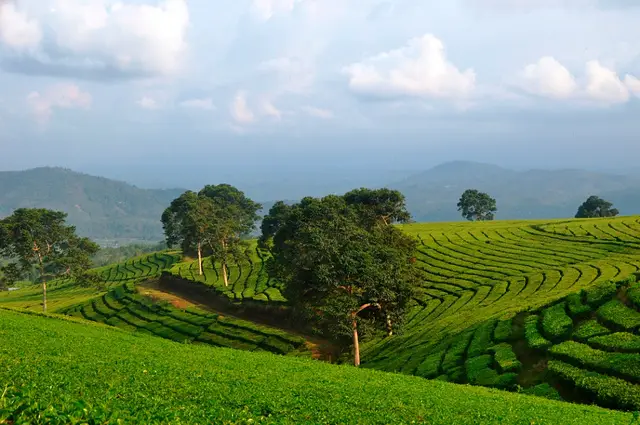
pixel 110 210
pixel 433 194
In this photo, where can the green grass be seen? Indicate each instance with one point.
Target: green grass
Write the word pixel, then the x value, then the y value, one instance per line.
pixel 57 371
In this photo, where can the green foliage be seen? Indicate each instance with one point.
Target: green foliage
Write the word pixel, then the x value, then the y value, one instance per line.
pixel 576 307
pixel 605 390
pixel 634 296
pixel 479 372
pixel 332 262
pixel 596 207
pixel 503 331
pixel 481 339
pixel 476 205
pixel 618 341
pixel 154 381
pixel 505 358
pixel 619 316
pixel 40 238
pixel 384 206
pixel 601 293
pixel 124 307
pixel 534 339
pixel 625 365
pixel 107 256
pixel 588 329
pixel 556 325
pixel 543 390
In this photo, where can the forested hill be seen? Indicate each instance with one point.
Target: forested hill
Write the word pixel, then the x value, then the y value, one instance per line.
pixel 100 208
pixel 433 194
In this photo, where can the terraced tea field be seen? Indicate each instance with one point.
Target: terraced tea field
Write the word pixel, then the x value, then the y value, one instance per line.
pixel 58 372
pixel 479 276
pixel 63 293
pixel 125 308
pixel 248 278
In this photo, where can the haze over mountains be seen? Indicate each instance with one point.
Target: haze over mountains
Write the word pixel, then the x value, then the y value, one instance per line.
pixel 108 210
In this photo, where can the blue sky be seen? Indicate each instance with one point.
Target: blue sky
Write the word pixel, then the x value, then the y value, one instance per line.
pixel 165 89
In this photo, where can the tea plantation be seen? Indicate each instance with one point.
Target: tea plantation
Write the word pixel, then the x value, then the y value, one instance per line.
pixel 55 371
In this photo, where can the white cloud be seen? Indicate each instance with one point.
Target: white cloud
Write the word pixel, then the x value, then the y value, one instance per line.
pixel 16 29
pixel 205 103
pixel 418 69
pixel 106 36
pixel 633 83
pixel 240 111
pixel 318 112
pixel 147 102
pixel 266 9
pixel 549 78
pixel 269 109
pixel 604 85
pixel 68 96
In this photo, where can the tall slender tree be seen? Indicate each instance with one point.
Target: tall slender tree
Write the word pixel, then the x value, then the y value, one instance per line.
pixel 41 239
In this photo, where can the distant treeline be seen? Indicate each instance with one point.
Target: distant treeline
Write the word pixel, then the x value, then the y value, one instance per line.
pixel 116 255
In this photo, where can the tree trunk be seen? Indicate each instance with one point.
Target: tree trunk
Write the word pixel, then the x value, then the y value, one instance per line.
pixel 44 296
pixel 356 345
pixel 200 258
pixel 225 278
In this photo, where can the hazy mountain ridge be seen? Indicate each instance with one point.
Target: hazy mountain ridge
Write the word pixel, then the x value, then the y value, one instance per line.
pixel 433 194
pixel 99 207
pixel 106 209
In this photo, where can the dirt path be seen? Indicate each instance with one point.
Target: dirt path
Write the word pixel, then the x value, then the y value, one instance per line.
pixel 183 296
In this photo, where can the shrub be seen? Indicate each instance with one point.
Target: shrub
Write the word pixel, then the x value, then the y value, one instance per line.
pixel 503 331
pixel 619 341
pixel 606 390
pixel 505 358
pixel 481 339
pixel 532 335
pixel 576 307
pixel 601 293
pixel 589 329
pixel 634 296
pixel 556 325
pixel 619 316
pixel 623 364
pixel 543 390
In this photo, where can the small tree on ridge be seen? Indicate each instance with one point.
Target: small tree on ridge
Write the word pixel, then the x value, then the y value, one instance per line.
pixel 476 205
pixel 596 207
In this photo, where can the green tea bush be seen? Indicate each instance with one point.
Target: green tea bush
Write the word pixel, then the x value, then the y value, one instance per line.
pixel 505 358
pixel 619 316
pixel 556 325
pixel 532 335
pixel 619 341
pixel 588 329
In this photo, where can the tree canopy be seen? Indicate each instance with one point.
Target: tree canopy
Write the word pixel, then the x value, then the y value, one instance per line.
pixel 347 274
pixel 41 239
pixel 476 205
pixel 385 206
pixel 596 207
pixel 210 222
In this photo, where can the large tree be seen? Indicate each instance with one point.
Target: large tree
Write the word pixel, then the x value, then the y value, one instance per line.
pixel 216 218
pixel 41 239
pixel 379 206
pixel 346 272
pixel 476 205
pixel 596 207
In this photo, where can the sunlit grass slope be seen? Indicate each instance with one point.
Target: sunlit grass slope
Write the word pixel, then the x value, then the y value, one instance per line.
pixel 54 371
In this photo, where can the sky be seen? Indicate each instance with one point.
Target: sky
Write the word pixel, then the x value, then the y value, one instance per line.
pixel 182 93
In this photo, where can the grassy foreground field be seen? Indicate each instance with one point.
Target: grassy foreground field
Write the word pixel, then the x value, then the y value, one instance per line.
pixel 59 372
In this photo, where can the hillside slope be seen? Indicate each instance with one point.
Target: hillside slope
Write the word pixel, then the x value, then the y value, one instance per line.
pixel 100 208
pixel 533 194
pixel 64 370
